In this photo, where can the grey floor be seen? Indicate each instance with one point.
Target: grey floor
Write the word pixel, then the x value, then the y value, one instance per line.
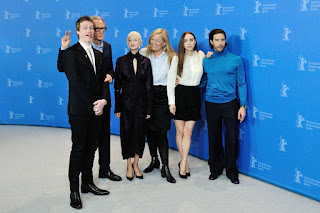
pixel 34 165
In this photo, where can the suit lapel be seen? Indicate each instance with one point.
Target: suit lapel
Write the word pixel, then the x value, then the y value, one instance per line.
pixel 84 56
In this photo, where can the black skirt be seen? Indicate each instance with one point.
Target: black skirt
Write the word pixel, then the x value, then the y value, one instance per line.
pixel 187 103
pixel 160 118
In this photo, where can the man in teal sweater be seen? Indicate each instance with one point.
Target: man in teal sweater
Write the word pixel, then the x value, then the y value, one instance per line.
pixel 224 77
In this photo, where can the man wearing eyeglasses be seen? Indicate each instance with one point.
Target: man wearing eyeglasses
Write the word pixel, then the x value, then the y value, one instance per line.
pixel 104 136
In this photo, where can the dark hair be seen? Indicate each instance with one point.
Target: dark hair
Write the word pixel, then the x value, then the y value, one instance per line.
pixel 82 19
pixel 181 51
pixel 213 32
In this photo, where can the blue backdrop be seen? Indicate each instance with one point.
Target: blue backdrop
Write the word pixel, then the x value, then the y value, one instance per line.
pixel 278 41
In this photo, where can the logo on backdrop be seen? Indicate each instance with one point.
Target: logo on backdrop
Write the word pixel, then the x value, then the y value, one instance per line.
pixel 130 14
pixel 42 84
pixel 175 32
pixel 12 83
pixel 115 32
pixel 222 10
pixel 60 101
pixel 45 117
pixel 299 178
pixel 190 12
pixel 302 62
pixel 145 33
pixel 70 15
pixel 30 99
pixel 42 50
pixel 29 65
pixel 284 90
pixel 102 14
pixel 262 62
pixel 301 122
pixel 15 116
pixel 7 15
pixel 254 163
pixel 263 8
pixel 286 32
pixel 28 31
pixel 159 13
pixel 311 65
pixel 313 6
pixel 206 33
pixel 58 32
pixel 303 6
pixel 282 144
pixel 257 114
pixel 39 15
pixel 242 32
pixel 12 50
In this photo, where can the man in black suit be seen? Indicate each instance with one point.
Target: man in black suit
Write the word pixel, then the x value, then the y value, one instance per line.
pixel 104 135
pixel 88 95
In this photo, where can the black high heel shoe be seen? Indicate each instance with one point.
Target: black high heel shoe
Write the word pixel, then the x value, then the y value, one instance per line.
pixel 130 178
pixel 182 176
pixel 140 177
pixel 187 173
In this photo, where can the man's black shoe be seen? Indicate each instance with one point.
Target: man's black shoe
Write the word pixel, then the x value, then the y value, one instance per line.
pixel 85 188
pixel 213 176
pixel 75 200
pixel 110 175
pixel 235 180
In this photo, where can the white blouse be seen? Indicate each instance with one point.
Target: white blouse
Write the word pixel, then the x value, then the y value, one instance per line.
pixel 160 67
pixel 191 75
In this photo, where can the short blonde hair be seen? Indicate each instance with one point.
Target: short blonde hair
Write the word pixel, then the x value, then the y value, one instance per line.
pixel 167 48
pixel 134 33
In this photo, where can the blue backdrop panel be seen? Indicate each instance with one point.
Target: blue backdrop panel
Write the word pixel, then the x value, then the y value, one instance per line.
pixel 277 40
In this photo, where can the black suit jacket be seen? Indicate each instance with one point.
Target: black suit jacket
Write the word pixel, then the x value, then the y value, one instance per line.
pixel 85 86
pixel 107 61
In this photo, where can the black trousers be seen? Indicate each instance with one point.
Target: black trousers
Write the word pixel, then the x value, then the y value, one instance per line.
pixel 84 133
pixel 218 159
pixel 158 140
pixel 104 141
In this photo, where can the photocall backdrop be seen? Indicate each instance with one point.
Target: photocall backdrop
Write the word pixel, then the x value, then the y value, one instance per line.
pixel 277 40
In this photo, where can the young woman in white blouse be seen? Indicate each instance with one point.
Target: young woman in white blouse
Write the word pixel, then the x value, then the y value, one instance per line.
pixel 184 99
pixel 163 61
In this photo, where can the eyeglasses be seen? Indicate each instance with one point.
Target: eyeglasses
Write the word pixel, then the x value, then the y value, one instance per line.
pixel 97 29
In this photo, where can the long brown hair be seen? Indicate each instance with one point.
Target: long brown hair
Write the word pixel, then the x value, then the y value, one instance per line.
pixel 181 51
pixel 167 48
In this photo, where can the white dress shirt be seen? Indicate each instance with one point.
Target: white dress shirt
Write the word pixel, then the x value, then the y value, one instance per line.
pixel 160 67
pixel 191 74
pixel 90 54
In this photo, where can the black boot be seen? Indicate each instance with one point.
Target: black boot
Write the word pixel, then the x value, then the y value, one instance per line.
pixel 75 200
pixel 155 164
pixel 165 172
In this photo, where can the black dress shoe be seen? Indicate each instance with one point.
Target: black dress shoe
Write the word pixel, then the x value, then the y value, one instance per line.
pixel 235 180
pixel 130 178
pixel 165 172
pixel 75 201
pixel 85 188
pixel 213 176
pixel 155 164
pixel 110 175
pixel 182 176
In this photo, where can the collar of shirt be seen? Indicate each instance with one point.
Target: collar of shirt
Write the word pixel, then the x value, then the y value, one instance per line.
pixel 85 47
pixel 217 54
pixel 97 47
pixel 161 55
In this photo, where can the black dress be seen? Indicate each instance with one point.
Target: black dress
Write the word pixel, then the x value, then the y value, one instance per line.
pixel 133 98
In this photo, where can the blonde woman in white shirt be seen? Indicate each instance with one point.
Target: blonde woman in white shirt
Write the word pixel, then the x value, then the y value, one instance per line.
pixel 163 61
pixel 184 99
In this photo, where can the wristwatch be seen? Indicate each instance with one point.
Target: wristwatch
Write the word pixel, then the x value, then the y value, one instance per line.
pixel 245 106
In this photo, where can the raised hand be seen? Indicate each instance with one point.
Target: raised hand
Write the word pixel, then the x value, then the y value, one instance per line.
pixel 65 40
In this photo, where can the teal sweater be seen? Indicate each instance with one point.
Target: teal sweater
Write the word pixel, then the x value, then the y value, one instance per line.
pixel 224 75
